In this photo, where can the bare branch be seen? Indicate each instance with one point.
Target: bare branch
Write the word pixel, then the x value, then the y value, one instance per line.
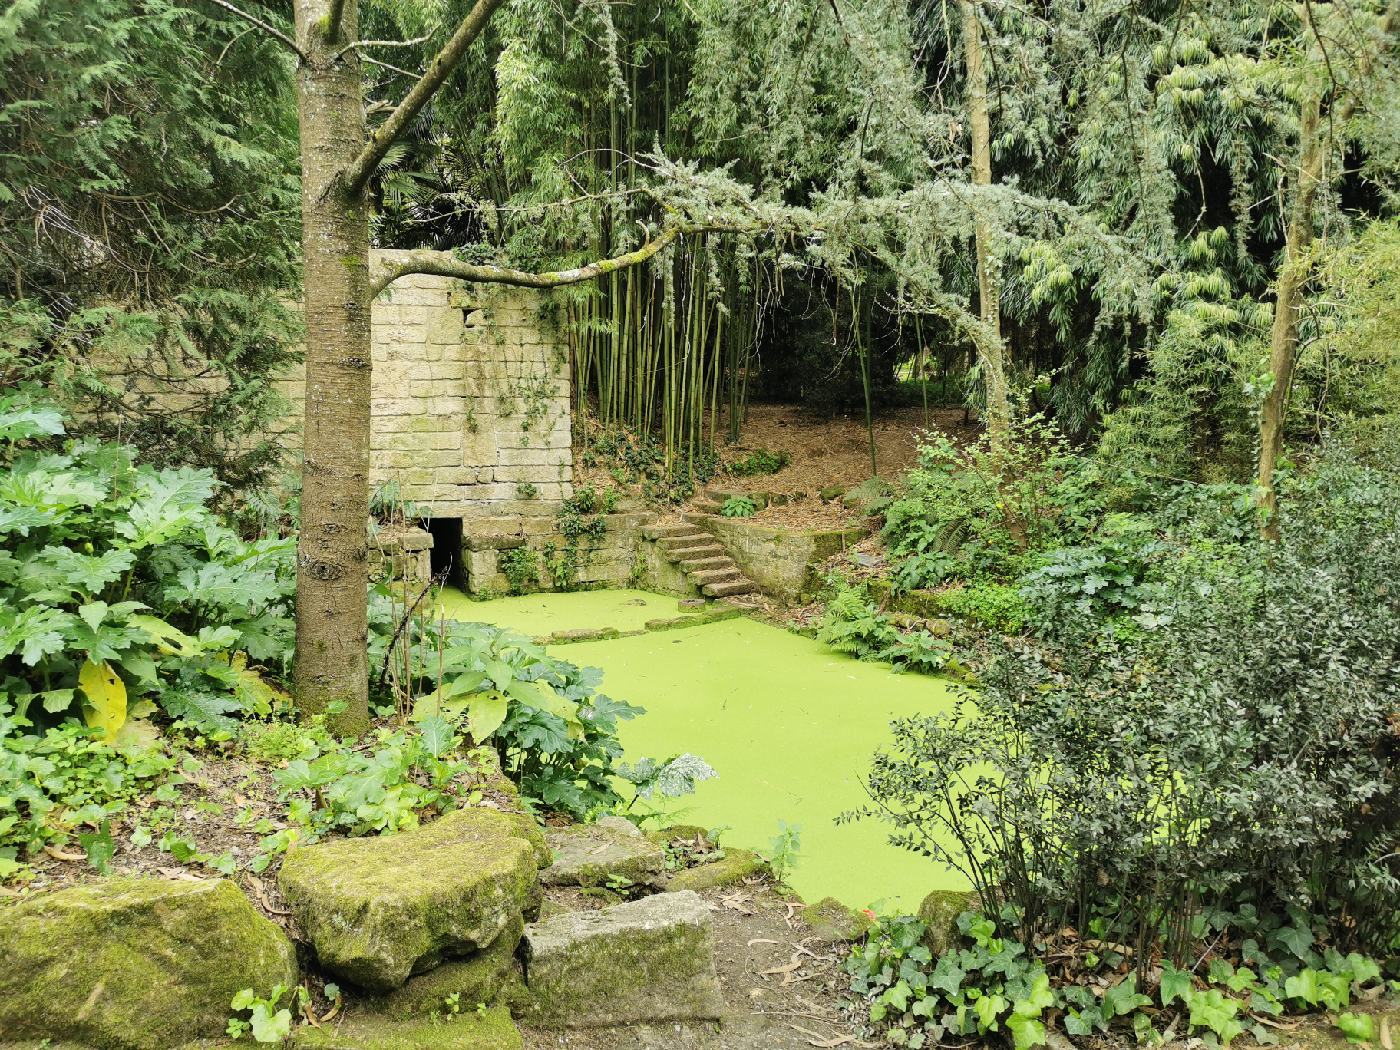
pixel 442 64
pixel 353 45
pixel 445 264
pixel 266 27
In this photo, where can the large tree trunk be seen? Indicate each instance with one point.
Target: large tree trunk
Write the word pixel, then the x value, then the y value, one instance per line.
pixel 989 345
pixel 331 663
pixel 1283 338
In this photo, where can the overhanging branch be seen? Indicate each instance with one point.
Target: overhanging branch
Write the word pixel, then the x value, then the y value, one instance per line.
pixel 267 27
pixel 442 64
pixel 445 264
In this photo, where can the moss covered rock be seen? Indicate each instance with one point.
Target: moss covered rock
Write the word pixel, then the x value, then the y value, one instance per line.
pixel 378 910
pixel 832 922
pixel 468 1030
pixel 735 866
pixel 138 963
pixel 940 911
pixel 489 977
pixel 594 854
pixel 645 961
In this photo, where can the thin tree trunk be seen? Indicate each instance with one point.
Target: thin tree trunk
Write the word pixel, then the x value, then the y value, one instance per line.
pixel 1283 338
pixel 331 635
pixel 989 344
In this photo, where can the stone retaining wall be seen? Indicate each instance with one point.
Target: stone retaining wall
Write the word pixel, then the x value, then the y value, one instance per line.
pixel 781 561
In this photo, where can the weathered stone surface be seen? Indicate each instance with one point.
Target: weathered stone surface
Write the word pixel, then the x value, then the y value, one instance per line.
pixel 380 909
pixel 593 854
pixel 134 963
pixel 468 1030
pixel 781 561
pixel 489 977
pixel 735 866
pixel 940 910
pixel 647 960
pixel 832 922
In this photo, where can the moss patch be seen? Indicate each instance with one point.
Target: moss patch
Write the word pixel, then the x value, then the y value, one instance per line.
pixel 735 866
pixel 134 963
pixel 491 1030
pixel 940 910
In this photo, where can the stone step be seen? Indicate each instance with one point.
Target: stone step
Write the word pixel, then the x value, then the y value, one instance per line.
pixel 713 561
pixel 726 590
pixel 701 550
pixel 707 506
pixel 693 538
pixel 724 575
pixel 660 532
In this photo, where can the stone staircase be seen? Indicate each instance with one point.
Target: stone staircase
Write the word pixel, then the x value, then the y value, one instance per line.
pixel 701 557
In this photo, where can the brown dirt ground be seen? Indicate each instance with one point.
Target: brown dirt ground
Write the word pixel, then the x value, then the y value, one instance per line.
pixel 822 451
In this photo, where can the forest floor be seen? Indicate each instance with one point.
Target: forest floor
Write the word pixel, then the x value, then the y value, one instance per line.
pixel 823 451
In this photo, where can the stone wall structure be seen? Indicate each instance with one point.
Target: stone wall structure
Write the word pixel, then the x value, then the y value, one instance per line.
pixel 470 404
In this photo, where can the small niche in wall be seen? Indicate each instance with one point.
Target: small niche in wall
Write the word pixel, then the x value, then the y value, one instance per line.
pixel 447 551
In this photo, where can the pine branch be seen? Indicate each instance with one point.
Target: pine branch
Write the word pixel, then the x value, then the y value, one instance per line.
pixel 266 27
pixel 445 264
pixel 418 96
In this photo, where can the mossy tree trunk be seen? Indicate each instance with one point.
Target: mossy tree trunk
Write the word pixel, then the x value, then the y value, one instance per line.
pixel 990 348
pixel 1315 127
pixel 332 628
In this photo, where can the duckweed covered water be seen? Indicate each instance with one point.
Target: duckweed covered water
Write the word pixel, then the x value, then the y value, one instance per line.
pixel 789 726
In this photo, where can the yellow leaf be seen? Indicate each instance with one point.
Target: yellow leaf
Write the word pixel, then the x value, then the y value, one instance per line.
pixel 106 697
pixel 168 639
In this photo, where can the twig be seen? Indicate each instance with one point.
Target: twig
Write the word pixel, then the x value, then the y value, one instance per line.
pixel 407 616
pixel 354 45
pixel 266 27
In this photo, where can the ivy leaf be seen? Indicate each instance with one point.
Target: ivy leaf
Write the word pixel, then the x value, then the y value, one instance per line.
pixel 1026 1032
pixel 99 847
pixel 1297 939
pixel 1176 984
pixel 1123 998
pixel 1304 985
pixel 1358 1028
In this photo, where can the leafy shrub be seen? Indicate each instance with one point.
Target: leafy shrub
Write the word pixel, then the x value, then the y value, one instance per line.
pixel 988 983
pixel 63 778
pixel 1242 749
pixel 1102 581
pixel 739 507
pixel 975 512
pixel 989 986
pixel 853 624
pixel 118 580
pixel 521 568
pixel 999 606
pixel 759 461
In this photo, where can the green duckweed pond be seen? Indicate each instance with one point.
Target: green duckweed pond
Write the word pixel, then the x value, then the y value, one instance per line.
pixel 789 726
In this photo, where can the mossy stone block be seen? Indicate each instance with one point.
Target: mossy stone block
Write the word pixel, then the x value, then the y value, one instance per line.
pixel 365 1030
pixel 489 977
pixel 649 960
pixel 134 963
pixel 735 866
pixel 378 910
pixel 940 911
pixel 595 854
pixel 833 923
